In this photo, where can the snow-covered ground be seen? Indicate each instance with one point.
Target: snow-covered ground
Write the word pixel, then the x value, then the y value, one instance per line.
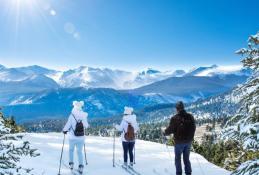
pixel 151 158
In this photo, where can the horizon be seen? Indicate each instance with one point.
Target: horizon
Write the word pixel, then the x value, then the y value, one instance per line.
pixel 128 35
pixel 236 66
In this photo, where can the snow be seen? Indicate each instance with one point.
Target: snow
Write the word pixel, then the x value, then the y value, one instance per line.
pixel 21 100
pixel 150 157
pixel 90 77
pixel 55 76
pixel 235 69
pixel 248 168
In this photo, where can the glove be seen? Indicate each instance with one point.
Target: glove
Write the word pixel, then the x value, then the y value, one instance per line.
pixel 65 132
pixel 163 131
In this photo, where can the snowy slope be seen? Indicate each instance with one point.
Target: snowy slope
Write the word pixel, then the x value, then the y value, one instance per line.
pixel 151 157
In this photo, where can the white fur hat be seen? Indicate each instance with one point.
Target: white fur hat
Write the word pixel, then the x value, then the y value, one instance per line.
pixel 78 104
pixel 128 110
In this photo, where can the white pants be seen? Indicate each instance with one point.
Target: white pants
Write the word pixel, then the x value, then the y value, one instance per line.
pixel 78 143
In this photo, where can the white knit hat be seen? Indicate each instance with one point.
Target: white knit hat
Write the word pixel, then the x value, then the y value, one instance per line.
pixel 78 104
pixel 128 110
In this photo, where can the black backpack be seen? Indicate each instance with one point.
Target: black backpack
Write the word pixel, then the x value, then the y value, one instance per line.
pixel 79 130
pixel 185 128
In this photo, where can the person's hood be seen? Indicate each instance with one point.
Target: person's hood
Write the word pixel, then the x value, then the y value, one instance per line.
pixel 78 104
pixel 128 110
pixel 130 118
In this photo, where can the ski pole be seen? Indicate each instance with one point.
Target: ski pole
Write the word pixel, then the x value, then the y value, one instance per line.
pixel 135 150
pixel 86 163
pixel 135 153
pixel 167 149
pixel 113 160
pixel 61 155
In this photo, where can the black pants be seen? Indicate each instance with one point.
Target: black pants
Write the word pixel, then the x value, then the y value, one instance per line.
pixel 128 148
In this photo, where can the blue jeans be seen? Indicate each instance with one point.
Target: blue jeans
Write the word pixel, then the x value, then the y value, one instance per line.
pixel 79 149
pixel 128 148
pixel 183 148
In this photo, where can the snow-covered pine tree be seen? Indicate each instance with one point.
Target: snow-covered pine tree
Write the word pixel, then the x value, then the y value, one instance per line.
pixel 244 126
pixel 12 148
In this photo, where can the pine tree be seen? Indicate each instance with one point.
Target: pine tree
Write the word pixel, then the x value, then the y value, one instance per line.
pixel 12 147
pixel 244 126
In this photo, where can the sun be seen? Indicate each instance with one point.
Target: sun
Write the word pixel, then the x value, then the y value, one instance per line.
pixel 21 14
pixel 23 4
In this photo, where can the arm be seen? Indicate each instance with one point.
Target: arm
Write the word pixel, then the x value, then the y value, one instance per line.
pixel 171 128
pixel 68 124
pixel 136 127
pixel 193 125
pixel 119 127
pixel 85 123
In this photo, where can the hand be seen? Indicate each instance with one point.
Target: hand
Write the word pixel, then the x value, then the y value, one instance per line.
pixel 163 130
pixel 64 132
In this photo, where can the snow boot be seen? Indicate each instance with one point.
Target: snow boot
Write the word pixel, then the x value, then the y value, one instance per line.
pixel 125 164
pixel 71 165
pixel 131 165
pixel 80 169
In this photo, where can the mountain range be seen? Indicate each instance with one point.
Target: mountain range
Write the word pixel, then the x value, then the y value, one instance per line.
pixel 37 92
pixel 89 77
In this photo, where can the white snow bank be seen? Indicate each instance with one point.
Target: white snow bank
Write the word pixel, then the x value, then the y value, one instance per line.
pixel 150 157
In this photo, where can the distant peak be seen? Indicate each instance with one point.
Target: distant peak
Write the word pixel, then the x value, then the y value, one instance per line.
pixel 2 67
pixel 149 71
pixel 214 66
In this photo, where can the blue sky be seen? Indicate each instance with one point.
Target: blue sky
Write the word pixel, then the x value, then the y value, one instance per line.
pixel 125 34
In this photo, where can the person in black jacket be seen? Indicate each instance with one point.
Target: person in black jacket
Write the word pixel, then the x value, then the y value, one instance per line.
pixel 182 126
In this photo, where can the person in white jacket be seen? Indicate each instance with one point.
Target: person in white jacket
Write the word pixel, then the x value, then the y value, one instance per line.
pixel 77 115
pixel 128 145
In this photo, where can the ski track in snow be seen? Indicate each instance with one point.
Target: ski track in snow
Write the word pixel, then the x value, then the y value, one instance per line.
pixel 151 158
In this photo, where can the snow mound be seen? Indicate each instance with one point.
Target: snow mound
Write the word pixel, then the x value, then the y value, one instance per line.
pixel 151 158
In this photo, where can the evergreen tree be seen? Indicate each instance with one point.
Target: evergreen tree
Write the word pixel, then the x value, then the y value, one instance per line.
pixel 12 148
pixel 244 126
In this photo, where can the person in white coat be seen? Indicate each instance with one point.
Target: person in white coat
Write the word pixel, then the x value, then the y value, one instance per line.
pixel 77 115
pixel 128 144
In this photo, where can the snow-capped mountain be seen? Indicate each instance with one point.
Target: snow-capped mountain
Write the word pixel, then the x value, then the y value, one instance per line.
pixel 11 75
pixel 89 77
pixel 22 73
pixel 117 79
pixel 189 88
pixel 215 70
pixel 94 78
pixel 149 76
pixel 101 102
pixel 26 85
pixel 36 70
pixel 2 67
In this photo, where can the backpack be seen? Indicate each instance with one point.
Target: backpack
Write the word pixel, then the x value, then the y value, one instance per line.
pixel 130 134
pixel 79 130
pixel 184 129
